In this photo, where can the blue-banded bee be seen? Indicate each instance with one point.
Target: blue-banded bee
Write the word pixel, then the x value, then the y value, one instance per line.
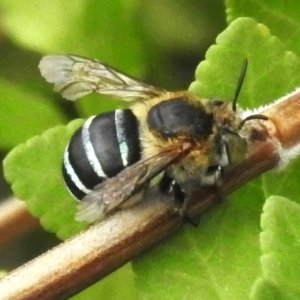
pixel 111 159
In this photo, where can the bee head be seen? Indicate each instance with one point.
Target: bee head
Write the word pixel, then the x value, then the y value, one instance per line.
pixel 234 146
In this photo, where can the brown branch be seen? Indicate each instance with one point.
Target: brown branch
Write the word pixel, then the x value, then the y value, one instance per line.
pixel 90 256
pixel 285 120
pixel 15 221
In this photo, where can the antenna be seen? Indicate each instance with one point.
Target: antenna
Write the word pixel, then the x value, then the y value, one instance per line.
pixel 252 117
pixel 240 83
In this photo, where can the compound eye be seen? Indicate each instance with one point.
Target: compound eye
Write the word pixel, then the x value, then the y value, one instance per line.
pixel 216 102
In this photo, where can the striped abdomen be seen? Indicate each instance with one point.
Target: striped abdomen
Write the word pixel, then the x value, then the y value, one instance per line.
pixel 100 149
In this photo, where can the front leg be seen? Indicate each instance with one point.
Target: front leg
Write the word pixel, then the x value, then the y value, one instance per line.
pixel 170 185
pixel 212 177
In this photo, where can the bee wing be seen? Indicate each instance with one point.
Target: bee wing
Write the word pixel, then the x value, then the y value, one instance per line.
pixel 75 76
pixel 115 191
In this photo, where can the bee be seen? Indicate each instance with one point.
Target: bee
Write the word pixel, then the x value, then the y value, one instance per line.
pixel 110 161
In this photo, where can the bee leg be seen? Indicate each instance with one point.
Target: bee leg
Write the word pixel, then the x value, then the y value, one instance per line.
pixel 165 184
pixel 218 183
pixel 213 177
pixel 178 194
pixel 218 179
pixel 170 185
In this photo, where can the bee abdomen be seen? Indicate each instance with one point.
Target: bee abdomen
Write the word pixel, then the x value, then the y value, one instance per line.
pixel 100 149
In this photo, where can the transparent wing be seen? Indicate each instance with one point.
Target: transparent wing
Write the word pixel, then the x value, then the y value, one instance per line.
pixel 75 76
pixel 115 191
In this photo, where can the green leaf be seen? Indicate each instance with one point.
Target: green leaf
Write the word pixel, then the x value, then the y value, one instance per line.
pixel 24 114
pixel 34 171
pixel 220 259
pixel 272 70
pixel 280 244
pixel 265 290
pixel 282 17
pixel 217 260
pixel 284 182
pixel 118 285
